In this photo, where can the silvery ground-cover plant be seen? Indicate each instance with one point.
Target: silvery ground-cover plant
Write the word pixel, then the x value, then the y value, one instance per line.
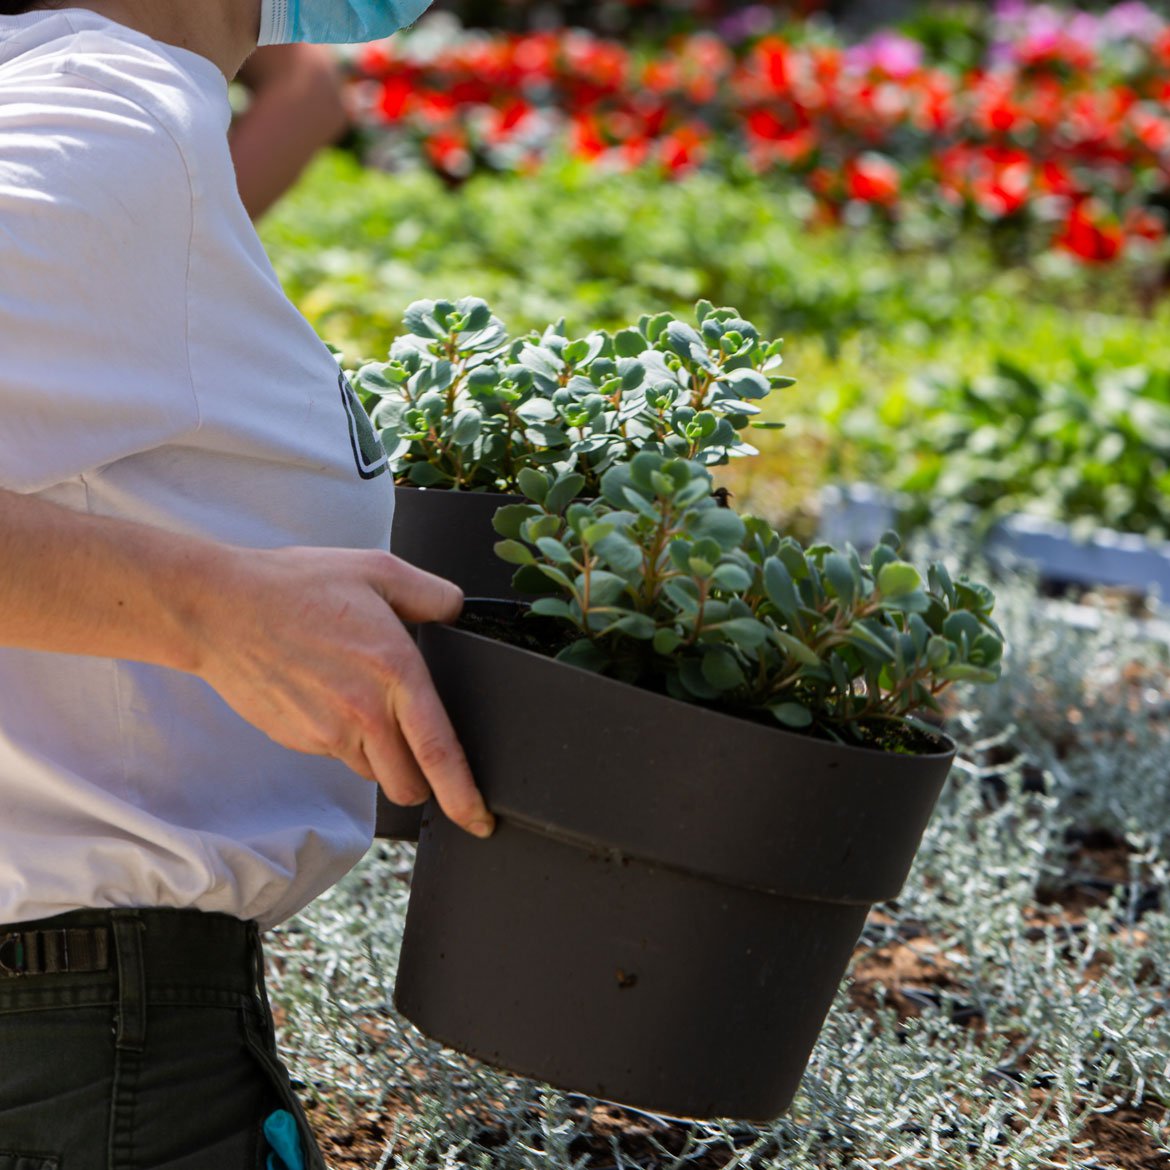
pixel 1008 1010
pixel 460 404
pixel 663 586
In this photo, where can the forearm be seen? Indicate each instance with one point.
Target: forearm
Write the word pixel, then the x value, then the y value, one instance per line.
pixel 80 584
pixel 303 643
pixel 296 109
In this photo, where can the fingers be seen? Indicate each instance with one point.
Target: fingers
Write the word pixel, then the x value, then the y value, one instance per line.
pixel 432 741
pixel 418 596
pixel 395 768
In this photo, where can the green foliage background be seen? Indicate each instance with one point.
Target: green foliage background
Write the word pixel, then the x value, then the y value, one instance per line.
pixel 886 338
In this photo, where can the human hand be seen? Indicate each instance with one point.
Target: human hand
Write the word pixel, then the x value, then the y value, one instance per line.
pixel 308 645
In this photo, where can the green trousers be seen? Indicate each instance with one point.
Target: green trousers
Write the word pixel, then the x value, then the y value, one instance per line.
pixel 165 1060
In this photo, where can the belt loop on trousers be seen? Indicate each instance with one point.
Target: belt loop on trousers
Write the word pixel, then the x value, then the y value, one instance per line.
pixel 128 929
pixel 256 949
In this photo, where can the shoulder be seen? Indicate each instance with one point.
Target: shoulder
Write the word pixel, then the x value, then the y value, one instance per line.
pixel 186 98
pixel 137 101
pixel 97 170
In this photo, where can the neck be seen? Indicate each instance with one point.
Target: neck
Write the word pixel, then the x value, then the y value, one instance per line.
pixel 223 31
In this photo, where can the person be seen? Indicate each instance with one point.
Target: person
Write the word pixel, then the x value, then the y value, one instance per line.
pixel 295 109
pixel 203 664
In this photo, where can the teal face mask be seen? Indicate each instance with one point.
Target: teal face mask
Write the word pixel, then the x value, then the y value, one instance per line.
pixel 335 22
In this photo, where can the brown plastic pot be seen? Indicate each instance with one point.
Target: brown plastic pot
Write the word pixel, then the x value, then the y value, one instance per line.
pixel 449 533
pixel 672 895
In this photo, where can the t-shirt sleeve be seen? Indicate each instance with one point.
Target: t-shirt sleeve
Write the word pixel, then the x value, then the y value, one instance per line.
pixel 96 211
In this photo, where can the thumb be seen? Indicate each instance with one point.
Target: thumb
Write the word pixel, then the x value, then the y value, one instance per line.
pixel 416 595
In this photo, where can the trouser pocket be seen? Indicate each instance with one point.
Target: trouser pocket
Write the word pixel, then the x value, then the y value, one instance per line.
pixel 261 1047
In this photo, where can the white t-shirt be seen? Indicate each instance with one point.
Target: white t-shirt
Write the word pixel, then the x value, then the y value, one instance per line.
pixel 152 369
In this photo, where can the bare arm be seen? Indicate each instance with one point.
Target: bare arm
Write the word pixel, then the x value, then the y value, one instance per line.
pixel 296 109
pixel 304 643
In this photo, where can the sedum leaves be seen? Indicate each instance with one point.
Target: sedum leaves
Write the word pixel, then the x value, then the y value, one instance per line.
pixel 459 404
pixel 668 589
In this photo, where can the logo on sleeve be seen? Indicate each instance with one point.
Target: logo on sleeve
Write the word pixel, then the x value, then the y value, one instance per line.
pixel 368 452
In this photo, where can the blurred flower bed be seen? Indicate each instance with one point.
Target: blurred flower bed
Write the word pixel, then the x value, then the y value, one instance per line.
pixel 1046 127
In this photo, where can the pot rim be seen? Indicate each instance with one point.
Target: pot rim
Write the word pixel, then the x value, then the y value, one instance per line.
pixel 458 491
pixel 733 724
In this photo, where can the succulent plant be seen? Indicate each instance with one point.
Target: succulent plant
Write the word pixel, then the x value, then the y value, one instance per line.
pixel 665 588
pixel 461 405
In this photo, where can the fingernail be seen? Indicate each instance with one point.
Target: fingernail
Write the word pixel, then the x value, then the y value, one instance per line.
pixel 482 829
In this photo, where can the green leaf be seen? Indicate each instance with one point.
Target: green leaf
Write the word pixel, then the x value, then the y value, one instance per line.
pixel 547 435
pixel 619 552
pixel 426 475
pixel 566 488
pixel 538 525
pixel 637 625
pixel 840 574
pixel 746 632
pixel 747 383
pixel 419 320
pixel 604 588
pixel 916 602
pixel 839 671
pixel 882 555
pixel 575 351
pixel 466 427
pixel 792 715
pixel 629 343
pixel 690 674
pixel 509 519
pixel 721 525
pixel 721 670
pixel 962 623
pixel 536 410
pixel 966 672
pixel 554 550
pixel 514 552
pixel 683 593
pixel 780 587
pixel 476 314
pixel 987 650
pixel 584 654
pixel 897 579
pixel 552 607
pixel 653 326
pixel 534 579
pixel 940 581
pixel 534 484
pixel 795 648
pixel 938 652
pixel 666 641
pixel 733 578
pixel 919 632
pixel 683 340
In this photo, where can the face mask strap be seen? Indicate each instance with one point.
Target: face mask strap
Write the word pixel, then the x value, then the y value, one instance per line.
pixel 276 21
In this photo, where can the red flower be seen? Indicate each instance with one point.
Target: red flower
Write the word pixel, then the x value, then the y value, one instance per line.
pixel 394 97
pixel 1091 234
pixel 1145 225
pixel 997 180
pixel 872 178
pixel 683 150
pixel 585 137
pixel 448 152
